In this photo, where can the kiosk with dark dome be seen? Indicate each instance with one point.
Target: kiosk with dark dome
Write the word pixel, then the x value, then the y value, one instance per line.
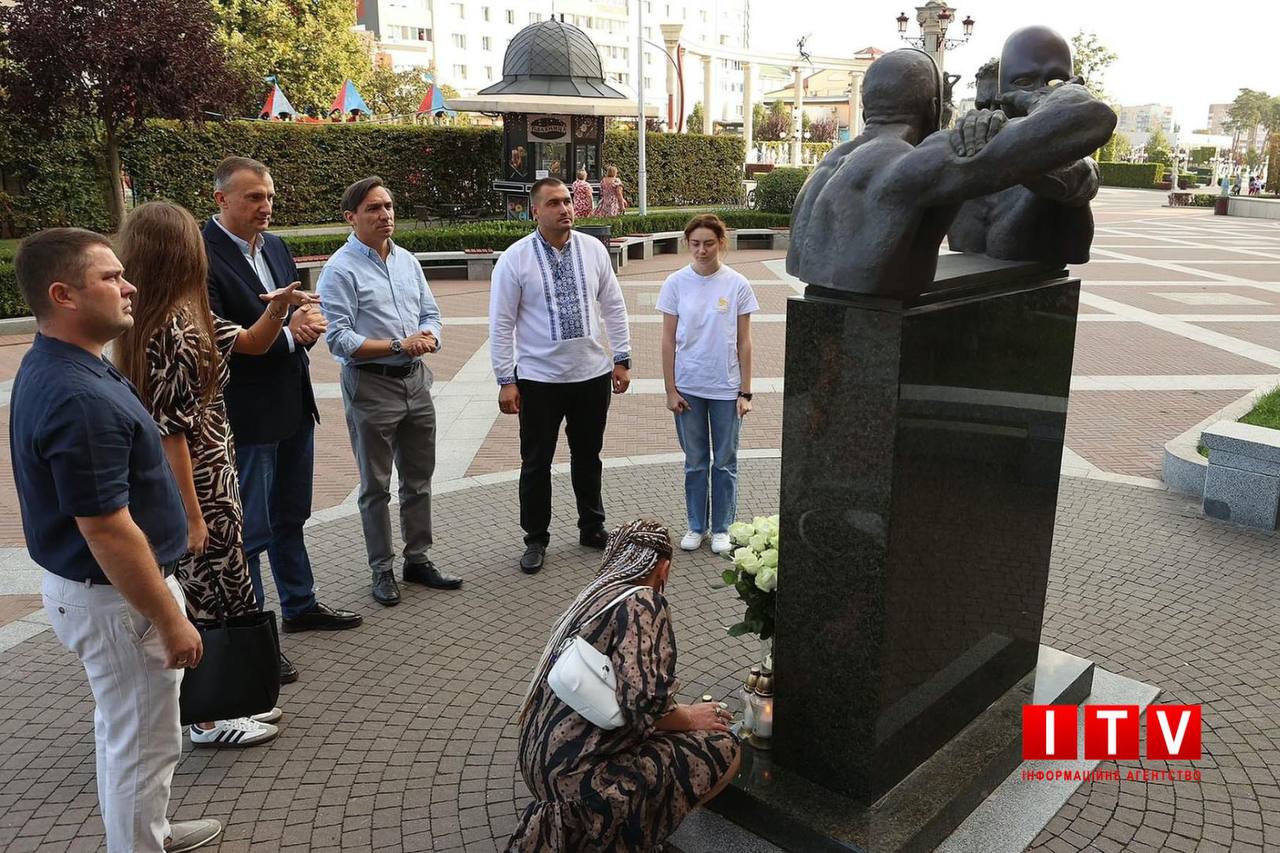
pixel 553 100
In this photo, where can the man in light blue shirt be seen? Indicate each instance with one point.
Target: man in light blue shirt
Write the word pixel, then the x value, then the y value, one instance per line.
pixel 382 318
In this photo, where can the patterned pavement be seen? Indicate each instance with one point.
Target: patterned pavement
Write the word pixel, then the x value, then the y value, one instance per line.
pixel 400 735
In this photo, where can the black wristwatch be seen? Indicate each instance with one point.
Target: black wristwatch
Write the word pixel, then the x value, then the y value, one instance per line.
pixel 624 362
pixel 397 346
pixel 746 395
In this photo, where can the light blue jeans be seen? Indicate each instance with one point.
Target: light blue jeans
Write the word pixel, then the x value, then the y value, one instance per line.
pixel 710 426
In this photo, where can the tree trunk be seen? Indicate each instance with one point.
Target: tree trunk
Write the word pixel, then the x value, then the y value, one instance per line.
pixel 115 190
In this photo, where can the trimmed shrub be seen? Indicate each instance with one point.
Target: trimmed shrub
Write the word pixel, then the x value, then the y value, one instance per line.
pixel 424 166
pixel 1204 200
pixel 49 180
pixel 1143 175
pixel 682 169
pixel 312 164
pixel 501 234
pixel 776 191
pixel 11 302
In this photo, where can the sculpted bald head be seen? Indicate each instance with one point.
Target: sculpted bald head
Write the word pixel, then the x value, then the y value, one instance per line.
pixel 1033 58
pixel 904 85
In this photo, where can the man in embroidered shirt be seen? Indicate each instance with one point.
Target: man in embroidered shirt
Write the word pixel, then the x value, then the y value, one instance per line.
pixel 382 319
pixel 552 295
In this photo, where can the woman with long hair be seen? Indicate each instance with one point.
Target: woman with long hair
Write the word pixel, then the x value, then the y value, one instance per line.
pixel 176 355
pixel 706 367
pixel 612 200
pixel 625 789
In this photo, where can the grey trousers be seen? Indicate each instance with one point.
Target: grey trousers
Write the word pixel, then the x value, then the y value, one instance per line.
pixel 392 420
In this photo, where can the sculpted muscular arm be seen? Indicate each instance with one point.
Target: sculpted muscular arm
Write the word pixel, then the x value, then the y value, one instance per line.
pixel 1069 125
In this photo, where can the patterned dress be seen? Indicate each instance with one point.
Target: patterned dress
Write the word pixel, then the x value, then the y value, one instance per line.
pixel 623 790
pixel 582 199
pixel 611 200
pixel 173 361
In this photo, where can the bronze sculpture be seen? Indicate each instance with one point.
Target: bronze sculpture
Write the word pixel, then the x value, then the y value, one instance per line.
pixel 1046 219
pixel 871 217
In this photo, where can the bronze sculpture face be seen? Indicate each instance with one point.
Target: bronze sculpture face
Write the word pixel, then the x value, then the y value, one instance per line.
pixel 1034 59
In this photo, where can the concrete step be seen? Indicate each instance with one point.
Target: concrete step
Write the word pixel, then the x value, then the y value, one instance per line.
pixel 704 831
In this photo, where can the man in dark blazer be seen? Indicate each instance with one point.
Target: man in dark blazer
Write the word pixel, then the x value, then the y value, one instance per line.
pixel 269 398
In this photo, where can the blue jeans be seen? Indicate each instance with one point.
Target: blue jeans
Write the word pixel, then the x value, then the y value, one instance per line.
pixel 710 425
pixel 275 491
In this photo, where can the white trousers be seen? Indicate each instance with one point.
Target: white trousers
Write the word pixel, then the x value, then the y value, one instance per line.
pixel 136 724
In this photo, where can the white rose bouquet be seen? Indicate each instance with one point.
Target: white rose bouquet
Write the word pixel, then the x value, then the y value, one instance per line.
pixel 754 574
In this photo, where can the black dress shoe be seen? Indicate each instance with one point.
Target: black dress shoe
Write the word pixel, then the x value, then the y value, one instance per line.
pixel 597 538
pixel 385 589
pixel 531 559
pixel 426 573
pixel 322 618
pixel 288 672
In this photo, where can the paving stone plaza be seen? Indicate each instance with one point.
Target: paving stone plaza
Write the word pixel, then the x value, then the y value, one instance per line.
pixel 400 735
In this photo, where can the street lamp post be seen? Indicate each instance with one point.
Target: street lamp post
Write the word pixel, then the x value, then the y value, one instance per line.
pixel 934 18
pixel 642 174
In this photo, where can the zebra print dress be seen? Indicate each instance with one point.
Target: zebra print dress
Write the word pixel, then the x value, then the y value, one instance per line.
pixel 173 360
pixel 623 790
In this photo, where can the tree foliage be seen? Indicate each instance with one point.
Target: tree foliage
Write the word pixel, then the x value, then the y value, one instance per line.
pixel 1158 146
pixel 112 62
pixel 822 129
pixel 309 48
pixel 693 124
pixel 1253 109
pixel 1114 150
pixel 1090 59
pixel 391 92
pixel 775 125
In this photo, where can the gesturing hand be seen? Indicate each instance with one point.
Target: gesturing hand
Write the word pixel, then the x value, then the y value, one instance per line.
pixel 290 295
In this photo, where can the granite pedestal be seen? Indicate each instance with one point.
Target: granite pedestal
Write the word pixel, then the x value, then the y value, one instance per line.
pixel 920 455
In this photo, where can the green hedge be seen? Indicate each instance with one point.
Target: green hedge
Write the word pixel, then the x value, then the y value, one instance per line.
pixel 11 302
pixel 682 169
pixel 1204 200
pixel 776 191
pixel 1142 175
pixel 49 180
pixel 500 235
pixel 312 164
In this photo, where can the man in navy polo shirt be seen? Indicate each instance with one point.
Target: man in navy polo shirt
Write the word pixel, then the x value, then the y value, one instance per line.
pixel 102 514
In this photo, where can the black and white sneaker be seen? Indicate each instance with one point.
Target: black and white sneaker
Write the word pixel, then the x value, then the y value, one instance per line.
pixel 239 732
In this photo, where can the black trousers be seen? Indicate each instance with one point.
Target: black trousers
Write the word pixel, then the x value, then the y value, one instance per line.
pixel 584 408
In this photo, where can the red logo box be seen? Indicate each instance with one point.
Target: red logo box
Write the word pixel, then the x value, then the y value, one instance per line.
pixel 1049 731
pixel 1173 732
pixel 1111 731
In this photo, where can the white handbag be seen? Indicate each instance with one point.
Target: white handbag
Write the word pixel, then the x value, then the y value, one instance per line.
pixel 584 679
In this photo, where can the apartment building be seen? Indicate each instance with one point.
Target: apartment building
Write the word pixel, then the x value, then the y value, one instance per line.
pixel 466 39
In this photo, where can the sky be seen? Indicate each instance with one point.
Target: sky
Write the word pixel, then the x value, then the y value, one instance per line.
pixel 1190 70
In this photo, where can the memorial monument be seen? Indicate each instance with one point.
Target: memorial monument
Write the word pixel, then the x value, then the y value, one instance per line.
pixel 925 407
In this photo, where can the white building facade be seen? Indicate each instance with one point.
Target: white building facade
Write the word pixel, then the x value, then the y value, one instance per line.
pixel 465 40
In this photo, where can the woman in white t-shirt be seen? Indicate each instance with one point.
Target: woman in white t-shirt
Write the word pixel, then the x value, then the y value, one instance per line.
pixel 706 365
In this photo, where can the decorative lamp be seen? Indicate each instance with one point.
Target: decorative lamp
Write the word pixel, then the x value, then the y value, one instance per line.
pixel 762 712
pixel 902 22
pixel 968 25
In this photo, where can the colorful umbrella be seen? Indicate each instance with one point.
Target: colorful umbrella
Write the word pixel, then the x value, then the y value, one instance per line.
pixel 349 99
pixel 277 103
pixel 433 102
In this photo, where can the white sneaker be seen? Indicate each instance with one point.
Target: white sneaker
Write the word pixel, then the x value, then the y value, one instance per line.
pixel 242 731
pixel 185 835
pixel 720 543
pixel 267 716
pixel 691 541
